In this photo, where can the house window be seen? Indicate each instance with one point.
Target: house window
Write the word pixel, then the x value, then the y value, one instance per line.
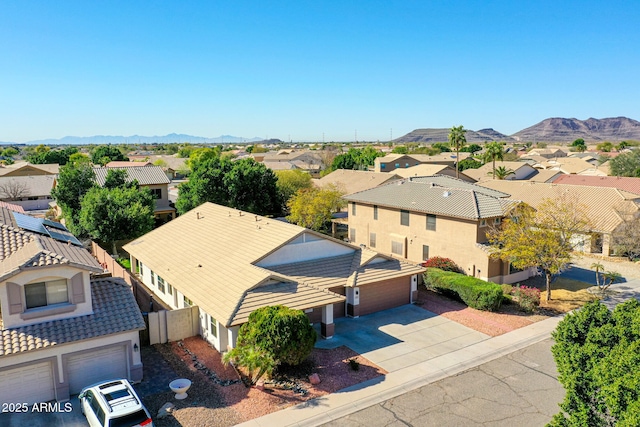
pixel 187 302
pixel 169 289
pixel 372 240
pixel 213 326
pixel 375 212
pixel 404 217
pixel 431 222
pixel 156 193
pixel 397 165
pixel 153 278
pixel 396 248
pixel 352 235
pixel 406 165
pixel 425 252
pixel 161 284
pixel 496 221
pixel 141 268
pixel 353 209
pixel 46 293
pixel 483 223
pixel 383 165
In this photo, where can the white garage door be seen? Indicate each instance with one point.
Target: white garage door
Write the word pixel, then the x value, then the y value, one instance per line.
pixel 29 384
pixel 94 366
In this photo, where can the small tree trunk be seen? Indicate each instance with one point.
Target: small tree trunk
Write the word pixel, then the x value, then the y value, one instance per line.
pixel 114 249
pixel 547 277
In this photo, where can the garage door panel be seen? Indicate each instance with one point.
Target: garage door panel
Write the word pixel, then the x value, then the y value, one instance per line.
pixel 99 365
pixel 384 295
pixel 28 384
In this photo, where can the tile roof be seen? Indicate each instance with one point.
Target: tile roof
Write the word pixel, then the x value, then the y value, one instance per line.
pixel 486 170
pixel 21 250
pixel 12 207
pixel 52 168
pixel 209 254
pixel 433 195
pixel 423 158
pixel 351 181
pixel 114 311
pixel 145 175
pixel 632 185
pixel 426 169
pixel 573 165
pixel 33 185
pixel 544 175
pixel 600 203
pixel 127 164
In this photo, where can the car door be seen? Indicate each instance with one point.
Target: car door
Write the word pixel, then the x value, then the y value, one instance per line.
pixel 92 409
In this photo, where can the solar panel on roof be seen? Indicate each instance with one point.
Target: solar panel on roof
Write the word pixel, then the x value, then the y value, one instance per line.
pixel 54 224
pixel 30 223
pixel 64 237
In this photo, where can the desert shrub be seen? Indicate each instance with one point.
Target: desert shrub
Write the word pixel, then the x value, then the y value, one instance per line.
pixel 528 298
pixel 354 364
pixel 442 263
pixel 472 291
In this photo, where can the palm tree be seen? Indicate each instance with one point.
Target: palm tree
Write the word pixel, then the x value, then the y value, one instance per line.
pixel 493 151
pixel 502 173
pixel 457 140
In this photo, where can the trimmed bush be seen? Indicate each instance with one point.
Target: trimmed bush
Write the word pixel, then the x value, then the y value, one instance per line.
pixel 472 291
pixel 445 264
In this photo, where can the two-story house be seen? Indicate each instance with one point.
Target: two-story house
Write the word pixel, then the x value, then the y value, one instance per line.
pixel 418 218
pixel 59 330
pixel 152 177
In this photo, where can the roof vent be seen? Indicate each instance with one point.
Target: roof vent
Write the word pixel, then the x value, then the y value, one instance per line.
pixel 197 215
pixel 446 193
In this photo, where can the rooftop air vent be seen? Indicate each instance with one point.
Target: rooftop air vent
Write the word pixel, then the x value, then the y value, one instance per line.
pixel 446 194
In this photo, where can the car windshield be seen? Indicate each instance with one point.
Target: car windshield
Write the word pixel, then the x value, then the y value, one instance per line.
pixel 129 420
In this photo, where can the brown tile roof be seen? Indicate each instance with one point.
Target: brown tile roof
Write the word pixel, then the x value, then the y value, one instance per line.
pixel 119 164
pixel 436 195
pixel 12 207
pixel 632 185
pixel 114 311
pixel 209 255
pixel 351 181
pixel 601 203
pixel 486 170
pixel 49 169
pixel 145 175
pixel 34 185
pixel 21 250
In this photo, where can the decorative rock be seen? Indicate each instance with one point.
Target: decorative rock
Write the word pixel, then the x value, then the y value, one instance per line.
pixel 166 410
pixel 314 379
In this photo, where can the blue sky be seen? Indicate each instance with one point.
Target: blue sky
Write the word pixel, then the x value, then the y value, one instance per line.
pixel 299 69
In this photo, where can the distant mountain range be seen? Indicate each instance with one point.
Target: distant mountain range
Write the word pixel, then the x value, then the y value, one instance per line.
pixel 555 129
pixel 139 139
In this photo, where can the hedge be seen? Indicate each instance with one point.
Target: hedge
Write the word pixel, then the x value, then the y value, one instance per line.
pixel 472 291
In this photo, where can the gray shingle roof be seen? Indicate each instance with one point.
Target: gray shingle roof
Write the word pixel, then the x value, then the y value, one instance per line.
pixel 145 175
pixel 114 311
pixel 436 195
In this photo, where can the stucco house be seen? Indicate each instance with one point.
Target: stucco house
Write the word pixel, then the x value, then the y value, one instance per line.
pixel 391 162
pixel 152 177
pixel 521 170
pixel 422 217
pixel 229 263
pixel 59 330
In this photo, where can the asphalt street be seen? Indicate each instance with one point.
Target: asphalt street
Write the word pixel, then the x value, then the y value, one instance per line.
pixel 519 389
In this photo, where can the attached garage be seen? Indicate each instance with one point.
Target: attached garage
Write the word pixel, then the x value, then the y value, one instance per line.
pixel 384 295
pixel 30 383
pixel 90 367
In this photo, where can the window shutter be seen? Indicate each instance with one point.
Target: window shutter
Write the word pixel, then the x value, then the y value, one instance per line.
pixel 15 298
pixel 77 289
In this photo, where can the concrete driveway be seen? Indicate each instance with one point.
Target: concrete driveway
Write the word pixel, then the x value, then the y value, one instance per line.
pixel 401 337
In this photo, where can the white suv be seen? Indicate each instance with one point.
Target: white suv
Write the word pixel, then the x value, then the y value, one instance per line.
pixel 113 404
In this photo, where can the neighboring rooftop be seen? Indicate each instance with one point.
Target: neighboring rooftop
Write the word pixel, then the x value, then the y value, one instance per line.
pixel 351 181
pixel 632 185
pixel 145 175
pixel 114 311
pixel 438 195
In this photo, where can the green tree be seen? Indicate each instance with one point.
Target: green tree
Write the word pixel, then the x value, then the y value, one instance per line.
pixel 356 158
pixel 104 154
pixel 457 140
pixel 605 147
pixel 493 150
pixel 10 152
pixel 314 207
pixel 400 149
pixel 75 179
pixel 471 148
pixel 243 184
pixel 273 336
pixel 579 145
pixel 625 164
pixel 48 156
pixel 541 239
pixel 112 214
pixel 469 163
pixel 597 353
pixel 289 182
pixel 442 147
pixel 502 172
pixel 622 145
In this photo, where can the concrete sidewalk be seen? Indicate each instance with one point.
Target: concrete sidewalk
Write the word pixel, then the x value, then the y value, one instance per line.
pixel 333 406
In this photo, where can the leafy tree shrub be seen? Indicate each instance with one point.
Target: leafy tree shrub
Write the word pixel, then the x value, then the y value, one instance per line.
pixel 442 263
pixel 528 298
pixel 472 291
pixel 597 353
pixel 273 336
